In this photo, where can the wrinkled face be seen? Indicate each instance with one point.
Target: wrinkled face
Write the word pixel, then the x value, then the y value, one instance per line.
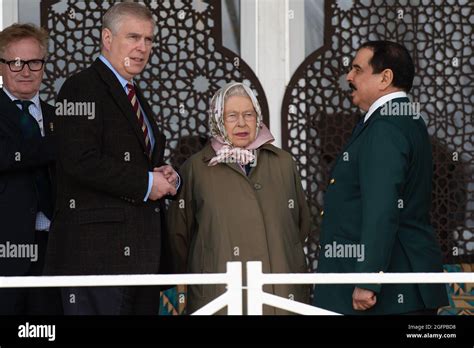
pixel 128 50
pixel 365 85
pixel 26 83
pixel 240 121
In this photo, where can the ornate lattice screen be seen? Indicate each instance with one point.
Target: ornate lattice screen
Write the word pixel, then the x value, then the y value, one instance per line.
pixel 187 66
pixel 317 114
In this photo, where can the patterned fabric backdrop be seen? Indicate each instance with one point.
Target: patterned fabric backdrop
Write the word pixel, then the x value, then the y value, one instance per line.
pixel 318 116
pixel 187 66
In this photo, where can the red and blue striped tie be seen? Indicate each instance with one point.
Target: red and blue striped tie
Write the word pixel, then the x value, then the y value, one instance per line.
pixel 132 96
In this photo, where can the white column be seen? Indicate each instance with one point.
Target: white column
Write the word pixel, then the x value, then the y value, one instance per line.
pixel 8 16
pixel 9 12
pixel 266 26
pixel 297 23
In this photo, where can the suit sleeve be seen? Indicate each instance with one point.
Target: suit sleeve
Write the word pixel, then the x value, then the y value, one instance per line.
pixel 80 150
pixel 383 163
pixel 181 222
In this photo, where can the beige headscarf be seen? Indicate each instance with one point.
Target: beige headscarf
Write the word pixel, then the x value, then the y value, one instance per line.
pixel 220 141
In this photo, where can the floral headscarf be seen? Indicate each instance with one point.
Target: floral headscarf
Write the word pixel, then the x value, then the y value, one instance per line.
pixel 216 112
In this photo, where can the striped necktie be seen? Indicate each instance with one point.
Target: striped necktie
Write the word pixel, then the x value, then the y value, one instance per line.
pixel 132 97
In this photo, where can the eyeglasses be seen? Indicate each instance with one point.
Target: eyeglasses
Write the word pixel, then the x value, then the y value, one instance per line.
pixel 17 65
pixel 233 117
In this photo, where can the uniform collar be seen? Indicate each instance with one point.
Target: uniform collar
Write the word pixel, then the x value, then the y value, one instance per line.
pixel 382 100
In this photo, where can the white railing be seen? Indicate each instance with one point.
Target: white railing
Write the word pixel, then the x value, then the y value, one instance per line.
pixel 232 298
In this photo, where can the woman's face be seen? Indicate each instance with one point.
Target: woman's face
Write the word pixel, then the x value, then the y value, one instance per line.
pixel 240 121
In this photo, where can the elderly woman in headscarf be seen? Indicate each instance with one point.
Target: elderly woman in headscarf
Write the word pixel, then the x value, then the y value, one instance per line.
pixel 242 200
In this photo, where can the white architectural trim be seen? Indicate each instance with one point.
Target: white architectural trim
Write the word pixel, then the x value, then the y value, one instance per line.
pixel 296 35
pixel 9 12
pixel 272 44
pixel 249 33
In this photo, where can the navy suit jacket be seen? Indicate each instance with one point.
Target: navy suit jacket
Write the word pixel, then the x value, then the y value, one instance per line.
pixel 19 158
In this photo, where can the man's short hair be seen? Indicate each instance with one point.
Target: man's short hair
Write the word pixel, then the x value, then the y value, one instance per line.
pixel 115 14
pixel 16 32
pixel 393 56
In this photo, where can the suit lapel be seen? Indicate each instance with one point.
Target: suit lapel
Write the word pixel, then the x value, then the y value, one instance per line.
pixel 120 98
pixel 9 111
pixel 356 135
pixel 351 140
pixel 48 118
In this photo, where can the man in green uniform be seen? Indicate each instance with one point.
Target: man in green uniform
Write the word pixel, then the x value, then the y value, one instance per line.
pixel 376 216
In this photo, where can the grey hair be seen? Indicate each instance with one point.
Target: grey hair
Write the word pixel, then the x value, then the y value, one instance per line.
pixel 236 91
pixel 115 14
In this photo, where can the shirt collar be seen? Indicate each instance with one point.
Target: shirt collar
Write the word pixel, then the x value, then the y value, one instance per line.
pixel 123 81
pixel 35 100
pixel 382 100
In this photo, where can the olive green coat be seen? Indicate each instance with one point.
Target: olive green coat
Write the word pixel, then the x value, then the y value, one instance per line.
pixel 222 215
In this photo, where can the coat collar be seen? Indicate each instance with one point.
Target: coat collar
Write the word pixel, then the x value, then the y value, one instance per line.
pixel 208 152
pixel 373 116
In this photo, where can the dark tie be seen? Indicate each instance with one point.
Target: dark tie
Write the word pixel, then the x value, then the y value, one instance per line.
pixel 31 130
pixel 141 122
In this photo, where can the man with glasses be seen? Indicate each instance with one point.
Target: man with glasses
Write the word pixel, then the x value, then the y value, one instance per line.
pixel 27 154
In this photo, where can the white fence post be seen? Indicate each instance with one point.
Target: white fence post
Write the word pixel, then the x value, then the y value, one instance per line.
pixel 254 288
pixel 232 298
pixel 234 288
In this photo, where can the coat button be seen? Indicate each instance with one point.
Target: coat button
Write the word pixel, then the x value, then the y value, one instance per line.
pixel 257 186
pixel 322 213
pixel 332 181
pixel 157 210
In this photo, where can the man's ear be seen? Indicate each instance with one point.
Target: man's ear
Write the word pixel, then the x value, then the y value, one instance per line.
pixel 386 79
pixel 106 38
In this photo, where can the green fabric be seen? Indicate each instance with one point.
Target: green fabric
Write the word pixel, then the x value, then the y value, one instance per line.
pixel 380 200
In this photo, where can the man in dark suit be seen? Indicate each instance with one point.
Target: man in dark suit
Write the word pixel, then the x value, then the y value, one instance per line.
pixel 376 209
pixel 27 155
pixel 111 175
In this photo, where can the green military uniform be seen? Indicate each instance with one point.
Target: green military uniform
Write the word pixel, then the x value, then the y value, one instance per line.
pixel 378 203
